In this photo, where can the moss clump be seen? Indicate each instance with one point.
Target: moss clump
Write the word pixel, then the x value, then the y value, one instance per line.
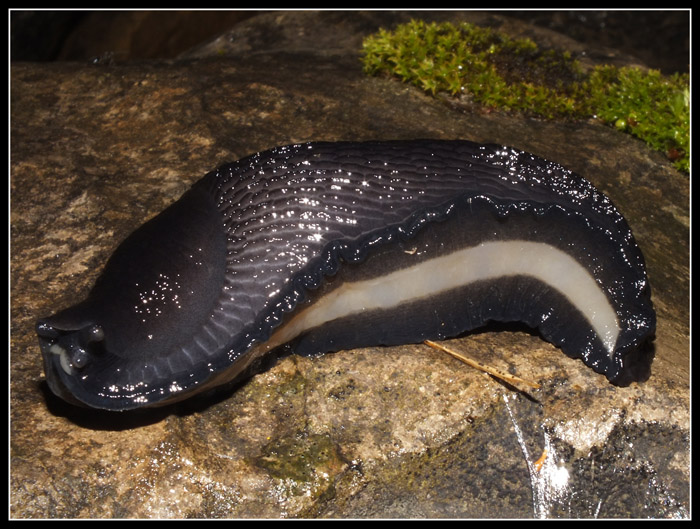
pixel 498 71
pixel 653 107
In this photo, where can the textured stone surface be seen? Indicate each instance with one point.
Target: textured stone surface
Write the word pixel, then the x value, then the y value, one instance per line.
pixel 385 432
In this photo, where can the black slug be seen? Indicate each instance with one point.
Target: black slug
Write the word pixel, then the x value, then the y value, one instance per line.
pixel 339 245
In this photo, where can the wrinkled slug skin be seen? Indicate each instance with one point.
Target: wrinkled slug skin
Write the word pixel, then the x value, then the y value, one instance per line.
pixel 338 245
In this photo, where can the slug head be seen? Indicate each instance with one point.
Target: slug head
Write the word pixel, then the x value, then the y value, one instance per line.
pixel 121 347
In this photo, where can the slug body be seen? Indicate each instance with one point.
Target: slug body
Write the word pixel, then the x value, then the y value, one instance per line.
pixel 339 245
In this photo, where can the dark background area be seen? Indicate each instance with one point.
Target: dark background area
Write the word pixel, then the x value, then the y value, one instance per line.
pixel 660 39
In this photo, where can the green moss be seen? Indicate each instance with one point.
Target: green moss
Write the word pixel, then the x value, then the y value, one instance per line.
pixel 653 107
pixel 514 75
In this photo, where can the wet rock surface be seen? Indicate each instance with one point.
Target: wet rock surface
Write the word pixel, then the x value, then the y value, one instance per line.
pixel 380 432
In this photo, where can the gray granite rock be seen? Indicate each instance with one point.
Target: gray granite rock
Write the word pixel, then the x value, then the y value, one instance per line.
pixel 379 432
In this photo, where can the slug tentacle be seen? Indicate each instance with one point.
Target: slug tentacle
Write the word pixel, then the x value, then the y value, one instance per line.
pixel 339 245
